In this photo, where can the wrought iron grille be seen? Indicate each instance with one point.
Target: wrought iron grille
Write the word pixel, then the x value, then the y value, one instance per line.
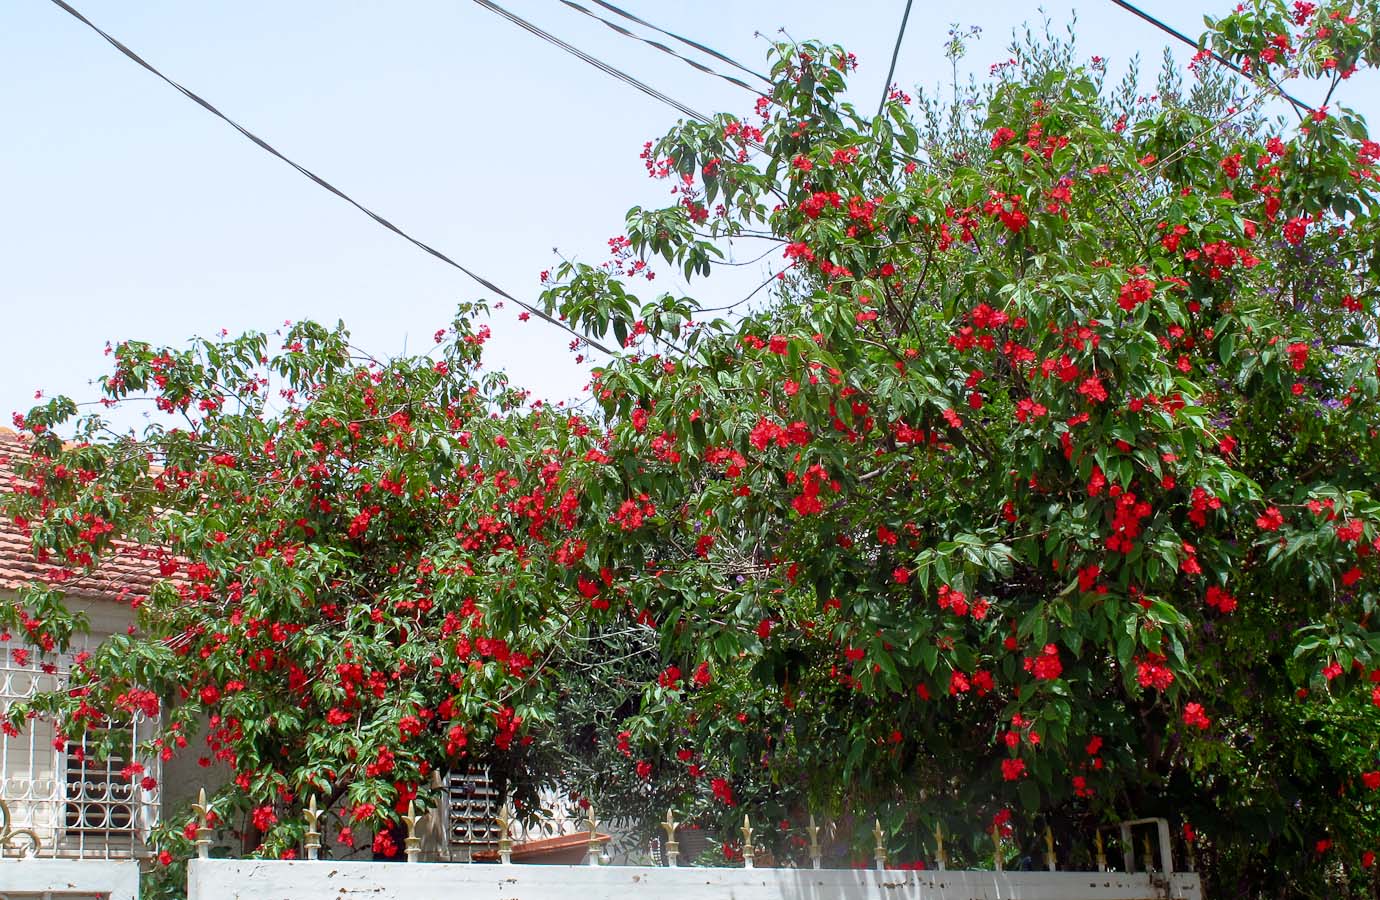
pixel 78 806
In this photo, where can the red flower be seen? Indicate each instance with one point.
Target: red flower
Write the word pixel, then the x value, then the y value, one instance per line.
pixel 701 675
pixel 1371 779
pixel 1001 136
pixel 1093 389
pixel 1012 769
pixel 723 791
pixel 1046 666
pixel 1135 292
pixel 263 817
pixel 1194 716
pixel 644 769
pixel 1270 520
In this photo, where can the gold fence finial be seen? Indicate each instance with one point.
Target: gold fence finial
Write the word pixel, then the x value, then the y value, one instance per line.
pixel 505 840
pixel 816 856
pixel 1147 855
pixel 593 850
pixel 939 859
pixel 1051 861
pixel 672 845
pixel 8 833
pixel 879 844
pixel 1101 852
pixel 748 852
pixel 312 841
pixel 202 810
pixel 996 847
pixel 412 845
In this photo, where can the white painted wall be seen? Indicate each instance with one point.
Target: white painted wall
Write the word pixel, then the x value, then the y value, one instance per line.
pixel 65 879
pixel 217 879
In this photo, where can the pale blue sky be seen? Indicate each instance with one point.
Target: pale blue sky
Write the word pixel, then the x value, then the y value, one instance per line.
pixel 131 212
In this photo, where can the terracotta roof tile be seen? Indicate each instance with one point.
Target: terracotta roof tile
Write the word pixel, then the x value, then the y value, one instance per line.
pixel 129 571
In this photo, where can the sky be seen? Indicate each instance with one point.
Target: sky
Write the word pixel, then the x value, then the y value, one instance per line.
pixel 130 212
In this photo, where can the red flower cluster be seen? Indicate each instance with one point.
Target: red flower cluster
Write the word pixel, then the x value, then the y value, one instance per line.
pixel 1045 666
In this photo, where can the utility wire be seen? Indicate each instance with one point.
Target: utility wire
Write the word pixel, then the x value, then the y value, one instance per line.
pixel 895 53
pixel 1299 105
pixel 264 145
pixel 686 41
pixel 663 48
pixel 597 63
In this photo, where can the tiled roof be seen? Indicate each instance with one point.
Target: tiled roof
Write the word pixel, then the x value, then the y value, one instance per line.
pixel 129 571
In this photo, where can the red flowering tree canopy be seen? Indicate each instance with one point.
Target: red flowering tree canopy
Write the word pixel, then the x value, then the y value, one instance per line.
pixel 1042 484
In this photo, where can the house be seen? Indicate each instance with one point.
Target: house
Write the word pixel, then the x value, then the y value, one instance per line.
pixel 76 806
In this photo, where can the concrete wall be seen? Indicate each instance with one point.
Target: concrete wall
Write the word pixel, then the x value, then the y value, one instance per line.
pixel 63 879
pixel 216 879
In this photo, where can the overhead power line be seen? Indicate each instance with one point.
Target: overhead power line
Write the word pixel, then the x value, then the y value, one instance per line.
pixel 895 53
pixel 663 48
pixel 597 63
pixel 1299 105
pixel 321 182
pixel 686 41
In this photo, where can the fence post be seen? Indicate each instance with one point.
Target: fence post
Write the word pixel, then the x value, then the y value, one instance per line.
pixel 1101 852
pixel 939 860
pixel 816 856
pixel 1051 861
pixel 747 842
pixel 996 847
pixel 878 851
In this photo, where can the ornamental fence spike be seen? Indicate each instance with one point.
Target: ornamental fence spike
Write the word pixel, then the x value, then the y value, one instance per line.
pixel 202 810
pixel 593 850
pixel 505 836
pixel 672 845
pixel 312 841
pixel 412 845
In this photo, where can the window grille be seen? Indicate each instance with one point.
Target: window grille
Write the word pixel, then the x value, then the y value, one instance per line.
pixel 79 806
pixel 472 802
pixel 101 800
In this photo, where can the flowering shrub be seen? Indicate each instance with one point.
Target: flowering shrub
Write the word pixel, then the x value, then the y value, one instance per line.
pixel 1043 487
